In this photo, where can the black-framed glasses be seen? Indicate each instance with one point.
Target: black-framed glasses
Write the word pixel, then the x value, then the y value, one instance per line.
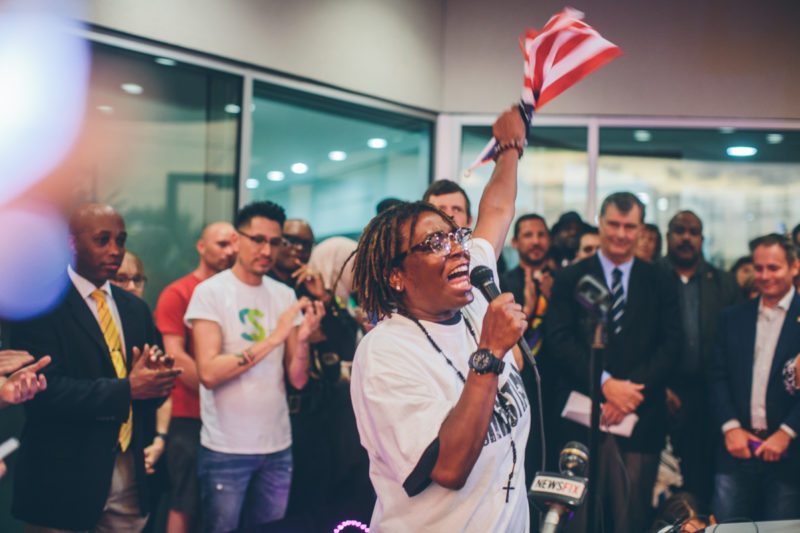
pixel 260 240
pixel 298 243
pixel 138 280
pixel 439 243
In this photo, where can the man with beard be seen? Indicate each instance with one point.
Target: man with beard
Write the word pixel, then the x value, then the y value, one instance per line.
pixel 530 283
pixel 248 332
pixel 703 291
pixel 217 250
pixel 565 237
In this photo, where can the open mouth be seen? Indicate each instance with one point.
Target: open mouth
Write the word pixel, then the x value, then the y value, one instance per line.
pixel 459 277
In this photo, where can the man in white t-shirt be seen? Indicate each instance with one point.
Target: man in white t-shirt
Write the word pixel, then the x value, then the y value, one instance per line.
pixel 248 330
pixel 440 405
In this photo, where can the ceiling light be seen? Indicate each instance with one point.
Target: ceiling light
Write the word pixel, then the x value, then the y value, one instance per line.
pixel 232 109
pixel 167 62
pixel 377 143
pixel 299 168
pixel 132 88
pixel 644 197
pixel 251 183
pixel 642 136
pixel 275 175
pixel 337 155
pixel 107 109
pixel 662 204
pixel 774 138
pixel 741 151
pixel 727 129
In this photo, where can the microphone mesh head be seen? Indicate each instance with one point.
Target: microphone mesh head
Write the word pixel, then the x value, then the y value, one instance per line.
pixel 480 275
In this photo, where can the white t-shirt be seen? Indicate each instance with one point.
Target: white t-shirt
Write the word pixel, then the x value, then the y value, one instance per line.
pixel 402 390
pixel 247 414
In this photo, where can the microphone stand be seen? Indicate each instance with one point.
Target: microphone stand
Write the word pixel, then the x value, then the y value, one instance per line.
pixel 596 359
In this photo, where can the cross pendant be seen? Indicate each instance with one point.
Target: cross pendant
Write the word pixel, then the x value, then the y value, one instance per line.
pixel 508 488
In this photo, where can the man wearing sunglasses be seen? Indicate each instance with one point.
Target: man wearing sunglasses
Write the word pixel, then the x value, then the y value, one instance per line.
pixel 248 331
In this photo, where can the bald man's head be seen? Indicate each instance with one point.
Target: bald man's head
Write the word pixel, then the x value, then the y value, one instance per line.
pixel 217 246
pixel 98 240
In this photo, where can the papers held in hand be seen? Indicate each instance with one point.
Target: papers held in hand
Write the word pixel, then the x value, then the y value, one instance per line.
pixel 579 410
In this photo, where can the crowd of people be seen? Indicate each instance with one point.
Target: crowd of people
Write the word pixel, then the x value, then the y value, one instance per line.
pixel 289 385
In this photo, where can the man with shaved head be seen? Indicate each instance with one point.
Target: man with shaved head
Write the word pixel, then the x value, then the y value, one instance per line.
pixel 217 250
pixel 81 464
pixel 703 291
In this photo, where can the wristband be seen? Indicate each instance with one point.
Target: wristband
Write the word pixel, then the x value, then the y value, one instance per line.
pixel 503 146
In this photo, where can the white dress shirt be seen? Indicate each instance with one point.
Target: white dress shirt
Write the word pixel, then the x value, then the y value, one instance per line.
pixel 86 288
pixel 768 330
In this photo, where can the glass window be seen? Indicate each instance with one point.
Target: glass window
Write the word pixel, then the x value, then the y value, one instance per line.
pixel 738 197
pixel 163 152
pixel 553 173
pixel 330 162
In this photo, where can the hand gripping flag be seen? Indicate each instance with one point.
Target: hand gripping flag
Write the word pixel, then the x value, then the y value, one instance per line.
pixel 564 52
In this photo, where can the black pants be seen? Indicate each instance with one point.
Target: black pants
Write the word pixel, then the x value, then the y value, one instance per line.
pixel 694 437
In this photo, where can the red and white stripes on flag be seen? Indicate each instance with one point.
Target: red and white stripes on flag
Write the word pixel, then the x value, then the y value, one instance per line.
pixel 564 52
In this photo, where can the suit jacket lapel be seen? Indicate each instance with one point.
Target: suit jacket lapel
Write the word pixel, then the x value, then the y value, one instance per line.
pixel 787 338
pixel 81 313
pixel 634 295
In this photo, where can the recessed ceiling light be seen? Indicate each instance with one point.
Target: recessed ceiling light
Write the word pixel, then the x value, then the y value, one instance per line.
pixel 232 109
pixel 299 168
pixel 642 136
pixel 132 88
pixel 377 143
pixel 727 129
pixel 167 62
pixel 107 109
pixel 741 151
pixel 774 138
pixel 337 155
pixel 275 175
pixel 251 183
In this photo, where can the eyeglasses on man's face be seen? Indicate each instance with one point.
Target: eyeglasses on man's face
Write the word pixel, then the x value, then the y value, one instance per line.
pixel 439 243
pixel 123 279
pixel 260 240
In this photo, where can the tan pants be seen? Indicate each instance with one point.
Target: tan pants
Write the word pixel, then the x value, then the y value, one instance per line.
pixel 121 513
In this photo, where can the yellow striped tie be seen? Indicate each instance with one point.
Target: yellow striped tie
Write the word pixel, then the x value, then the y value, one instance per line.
pixel 111 335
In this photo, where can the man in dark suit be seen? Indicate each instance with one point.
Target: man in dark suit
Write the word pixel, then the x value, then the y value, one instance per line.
pixel 758 469
pixel 81 464
pixel 703 291
pixel 643 343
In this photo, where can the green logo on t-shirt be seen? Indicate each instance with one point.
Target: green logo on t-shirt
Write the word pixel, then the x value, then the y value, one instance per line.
pixel 251 316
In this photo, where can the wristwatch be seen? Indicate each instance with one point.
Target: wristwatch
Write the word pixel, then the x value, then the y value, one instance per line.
pixel 483 361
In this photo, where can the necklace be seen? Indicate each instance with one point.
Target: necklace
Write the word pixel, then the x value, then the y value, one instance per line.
pixel 502 413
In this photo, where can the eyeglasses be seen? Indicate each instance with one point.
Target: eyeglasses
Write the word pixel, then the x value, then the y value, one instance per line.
pixel 439 243
pixel 260 240
pixel 298 243
pixel 137 280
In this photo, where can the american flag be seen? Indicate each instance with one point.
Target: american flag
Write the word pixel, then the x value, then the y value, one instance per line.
pixel 564 52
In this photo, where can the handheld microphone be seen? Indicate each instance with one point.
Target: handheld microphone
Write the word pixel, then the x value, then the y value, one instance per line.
pixel 558 494
pixel 483 278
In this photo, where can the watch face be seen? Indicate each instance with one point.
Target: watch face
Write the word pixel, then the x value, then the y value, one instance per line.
pixel 481 360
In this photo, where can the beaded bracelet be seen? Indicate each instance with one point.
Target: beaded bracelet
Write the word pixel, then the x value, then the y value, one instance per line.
pixel 502 147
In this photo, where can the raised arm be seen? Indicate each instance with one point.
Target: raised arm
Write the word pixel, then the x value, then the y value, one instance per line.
pixel 496 208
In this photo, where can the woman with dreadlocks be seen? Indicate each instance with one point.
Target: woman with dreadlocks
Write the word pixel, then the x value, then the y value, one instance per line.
pixel 440 405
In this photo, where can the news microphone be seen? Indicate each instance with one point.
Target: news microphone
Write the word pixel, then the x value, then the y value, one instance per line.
pixel 483 278
pixel 557 494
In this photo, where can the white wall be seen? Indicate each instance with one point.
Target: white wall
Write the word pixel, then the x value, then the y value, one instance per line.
pixel 696 58
pixel 386 48
pixel 699 58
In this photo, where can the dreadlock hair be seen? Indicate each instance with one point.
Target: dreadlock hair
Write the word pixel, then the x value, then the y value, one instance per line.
pixel 380 243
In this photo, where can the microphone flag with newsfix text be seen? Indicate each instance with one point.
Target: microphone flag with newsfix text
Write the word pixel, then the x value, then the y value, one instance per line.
pixel 565 51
